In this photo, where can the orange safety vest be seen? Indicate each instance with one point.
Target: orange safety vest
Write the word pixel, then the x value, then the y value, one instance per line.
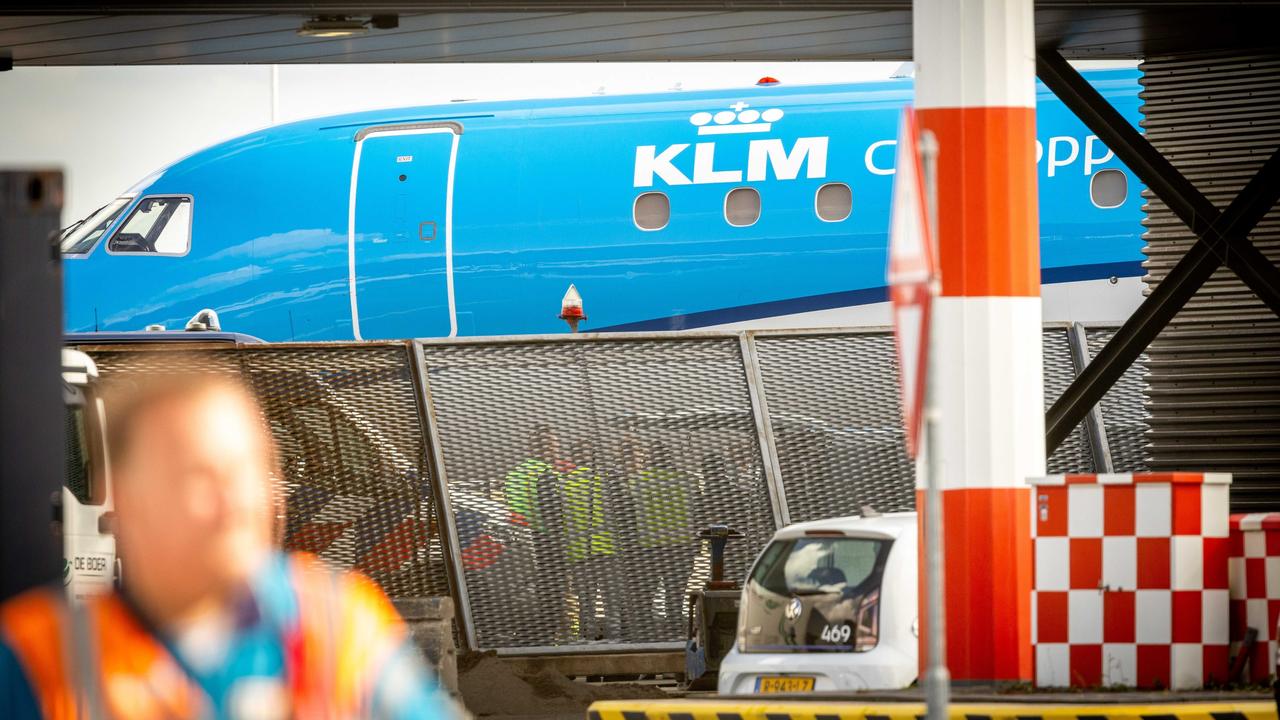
pixel 346 630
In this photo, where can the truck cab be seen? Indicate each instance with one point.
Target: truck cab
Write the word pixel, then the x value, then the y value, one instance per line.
pixel 85 508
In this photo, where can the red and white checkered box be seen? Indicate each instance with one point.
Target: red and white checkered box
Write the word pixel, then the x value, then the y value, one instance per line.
pixel 1130 583
pixel 1255 588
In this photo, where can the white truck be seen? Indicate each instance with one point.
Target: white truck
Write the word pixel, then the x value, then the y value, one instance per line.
pixel 83 508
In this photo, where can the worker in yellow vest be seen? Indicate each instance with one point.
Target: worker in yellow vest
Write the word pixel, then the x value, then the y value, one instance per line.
pixel 532 490
pixel 665 542
pixel 589 547
pixel 212 622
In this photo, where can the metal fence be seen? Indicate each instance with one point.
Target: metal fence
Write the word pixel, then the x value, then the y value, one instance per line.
pixel 571 474
pixel 835 422
pixel 597 462
pixel 1123 412
pixel 347 423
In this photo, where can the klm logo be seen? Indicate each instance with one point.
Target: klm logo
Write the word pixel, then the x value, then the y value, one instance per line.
pixel 808 154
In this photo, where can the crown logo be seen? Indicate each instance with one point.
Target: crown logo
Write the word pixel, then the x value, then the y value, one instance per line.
pixel 737 119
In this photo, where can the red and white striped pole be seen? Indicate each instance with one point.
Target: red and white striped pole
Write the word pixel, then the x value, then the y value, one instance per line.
pixel 975 90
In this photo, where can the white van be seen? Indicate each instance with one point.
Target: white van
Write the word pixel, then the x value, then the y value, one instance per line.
pixel 829 605
pixel 89 548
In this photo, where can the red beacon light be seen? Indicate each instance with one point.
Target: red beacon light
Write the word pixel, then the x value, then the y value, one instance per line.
pixel 768 80
pixel 571 308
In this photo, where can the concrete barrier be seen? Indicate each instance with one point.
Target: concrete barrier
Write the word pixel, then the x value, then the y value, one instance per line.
pixel 430 620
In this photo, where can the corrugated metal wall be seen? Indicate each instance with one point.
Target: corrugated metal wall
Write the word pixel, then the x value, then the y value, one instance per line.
pixel 1214 374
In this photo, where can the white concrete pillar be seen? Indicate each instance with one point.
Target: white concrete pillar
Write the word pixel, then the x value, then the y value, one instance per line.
pixel 975 89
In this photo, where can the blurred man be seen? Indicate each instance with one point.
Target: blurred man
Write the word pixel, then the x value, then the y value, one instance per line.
pixel 211 622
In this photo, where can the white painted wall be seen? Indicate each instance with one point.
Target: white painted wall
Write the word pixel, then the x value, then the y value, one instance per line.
pixel 109 127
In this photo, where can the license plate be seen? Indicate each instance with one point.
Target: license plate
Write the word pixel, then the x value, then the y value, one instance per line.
pixel 791 684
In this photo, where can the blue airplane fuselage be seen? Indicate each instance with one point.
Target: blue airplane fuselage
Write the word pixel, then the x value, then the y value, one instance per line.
pixel 474 218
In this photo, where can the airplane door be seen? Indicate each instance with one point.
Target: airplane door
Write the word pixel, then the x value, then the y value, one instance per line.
pixel 400 235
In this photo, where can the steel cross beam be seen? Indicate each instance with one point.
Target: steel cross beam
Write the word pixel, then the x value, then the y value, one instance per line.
pixel 1222 237
pixel 1158 173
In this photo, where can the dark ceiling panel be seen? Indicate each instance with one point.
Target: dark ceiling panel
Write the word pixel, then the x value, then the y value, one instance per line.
pixel 17 22
pixel 414 37
pixel 428 37
pixel 74 43
pixel 605 36
pixel 769 40
pixel 237 38
pixel 83 33
pixel 653 41
pixel 878 43
pixel 1152 28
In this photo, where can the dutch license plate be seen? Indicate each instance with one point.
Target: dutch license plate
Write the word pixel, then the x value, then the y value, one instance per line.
pixel 781 684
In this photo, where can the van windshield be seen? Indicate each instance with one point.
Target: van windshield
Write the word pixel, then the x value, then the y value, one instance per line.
pixel 80 237
pixel 814 594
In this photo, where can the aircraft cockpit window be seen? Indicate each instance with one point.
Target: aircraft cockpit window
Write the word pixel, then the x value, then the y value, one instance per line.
pixel 157 226
pixel 80 238
pixel 652 211
pixel 1108 188
pixel 833 202
pixel 742 207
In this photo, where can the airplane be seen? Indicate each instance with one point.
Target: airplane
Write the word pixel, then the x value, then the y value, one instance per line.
pixel 763 206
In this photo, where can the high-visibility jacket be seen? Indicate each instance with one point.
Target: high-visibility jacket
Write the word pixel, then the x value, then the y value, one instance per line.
pixel 588 535
pixel 521 490
pixel 344 649
pixel 662 508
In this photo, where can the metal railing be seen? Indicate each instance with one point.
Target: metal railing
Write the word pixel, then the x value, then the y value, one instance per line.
pixel 554 485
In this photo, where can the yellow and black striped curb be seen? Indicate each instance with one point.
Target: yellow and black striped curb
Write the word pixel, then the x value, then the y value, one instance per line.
pixel 817 709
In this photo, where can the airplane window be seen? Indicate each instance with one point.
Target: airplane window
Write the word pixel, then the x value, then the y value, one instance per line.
pixel 82 236
pixel 742 207
pixel 157 225
pixel 652 211
pixel 1108 188
pixel 833 202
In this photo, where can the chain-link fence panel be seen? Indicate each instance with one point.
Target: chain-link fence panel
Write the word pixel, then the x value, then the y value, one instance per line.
pixel 836 417
pixel 837 422
pixel 1124 413
pixel 352 453
pixel 579 473
pixel 1075 454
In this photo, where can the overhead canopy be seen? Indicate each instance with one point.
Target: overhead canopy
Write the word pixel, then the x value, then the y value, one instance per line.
pixel 84 33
